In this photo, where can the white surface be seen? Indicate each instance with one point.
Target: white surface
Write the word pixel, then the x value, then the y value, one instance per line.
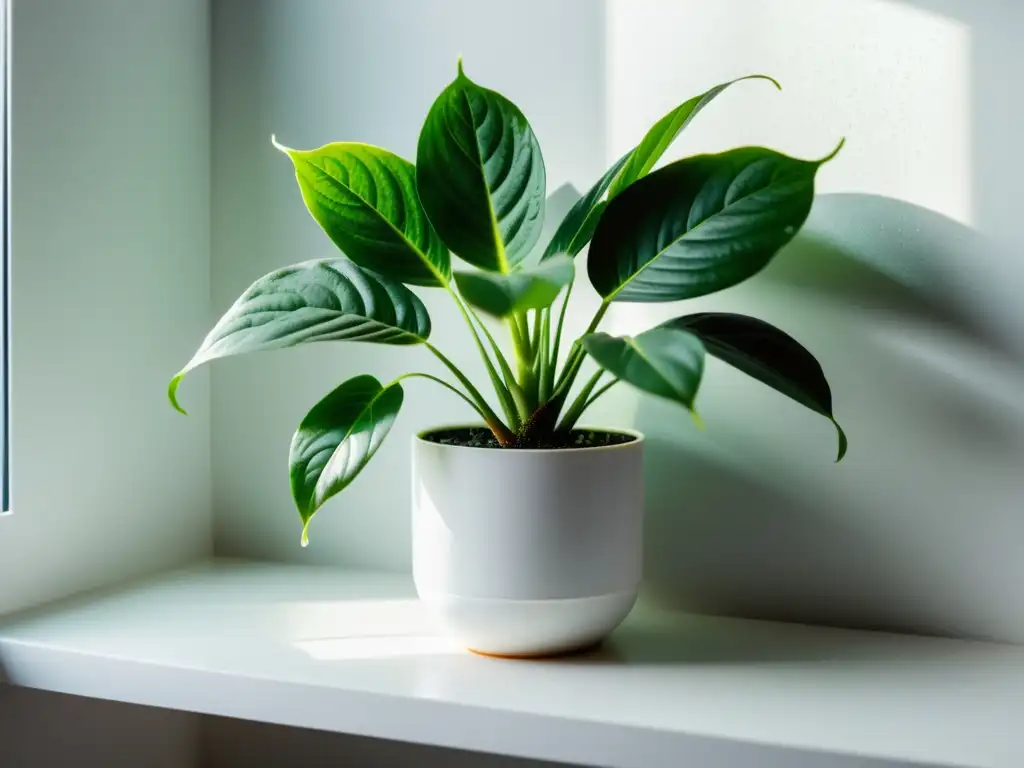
pixel 352 652
pixel 110 265
pixel 527 552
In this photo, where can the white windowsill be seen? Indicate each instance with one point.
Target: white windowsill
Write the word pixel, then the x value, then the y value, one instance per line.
pixel 351 652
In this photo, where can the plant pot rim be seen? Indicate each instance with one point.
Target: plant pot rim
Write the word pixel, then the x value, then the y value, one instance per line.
pixel 638 439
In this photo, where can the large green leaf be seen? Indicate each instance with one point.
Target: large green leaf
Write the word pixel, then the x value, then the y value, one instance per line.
pixel 769 355
pixel 667 362
pixel 700 225
pixel 330 300
pixel 665 131
pixel 579 223
pixel 481 176
pixel 365 199
pixel 337 439
pixel 532 287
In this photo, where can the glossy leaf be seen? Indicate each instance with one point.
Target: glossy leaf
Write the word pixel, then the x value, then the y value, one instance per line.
pixel 525 288
pixel 481 176
pixel 700 225
pixel 767 354
pixel 665 131
pixel 579 223
pixel 331 300
pixel 337 438
pixel 668 362
pixel 365 199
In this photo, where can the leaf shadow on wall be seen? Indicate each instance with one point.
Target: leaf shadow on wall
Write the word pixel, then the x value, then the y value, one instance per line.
pixel 736 526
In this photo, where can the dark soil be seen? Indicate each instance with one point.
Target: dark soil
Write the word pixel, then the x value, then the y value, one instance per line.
pixel 479 437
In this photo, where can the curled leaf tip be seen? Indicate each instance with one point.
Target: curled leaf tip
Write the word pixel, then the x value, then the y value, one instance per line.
pixel 769 78
pixel 834 152
pixel 278 145
pixel 843 443
pixel 697 419
pixel 305 536
pixel 461 73
pixel 172 394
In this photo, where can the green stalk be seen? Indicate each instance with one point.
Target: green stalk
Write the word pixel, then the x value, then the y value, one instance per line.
pixel 501 432
pixel 577 354
pixel 444 384
pixel 504 396
pixel 582 402
pixel 558 333
pixel 520 409
pixel 545 367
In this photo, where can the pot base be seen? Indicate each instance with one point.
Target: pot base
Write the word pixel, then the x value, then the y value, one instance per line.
pixel 529 628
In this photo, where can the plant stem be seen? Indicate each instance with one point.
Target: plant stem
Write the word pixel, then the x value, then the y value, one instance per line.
pixel 558 333
pixel 519 408
pixel 501 432
pixel 576 354
pixel 546 366
pixel 576 409
pixel 504 396
pixel 444 384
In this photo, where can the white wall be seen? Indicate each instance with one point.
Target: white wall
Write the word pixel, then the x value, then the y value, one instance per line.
pixel 903 290
pixel 110 263
pixel 314 71
pixel 904 284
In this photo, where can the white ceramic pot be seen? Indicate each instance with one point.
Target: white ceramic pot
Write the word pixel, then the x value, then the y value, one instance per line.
pixel 527 552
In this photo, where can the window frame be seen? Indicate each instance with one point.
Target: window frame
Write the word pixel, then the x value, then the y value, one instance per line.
pixel 5 251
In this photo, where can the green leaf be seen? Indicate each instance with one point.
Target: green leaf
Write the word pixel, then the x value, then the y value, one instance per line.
pixel 579 223
pixel 667 362
pixel 480 175
pixel 665 131
pixel 329 300
pixel 700 225
pixel 533 287
pixel 365 199
pixel 767 354
pixel 337 439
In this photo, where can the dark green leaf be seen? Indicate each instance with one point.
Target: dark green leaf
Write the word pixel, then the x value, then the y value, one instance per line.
pixel 665 131
pixel 667 362
pixel 700 225
pixel 481 176
pixel 524 288
pixel 337 439
pixel 330 300
pixel 767 354
pixel 578 225
pixel 365 199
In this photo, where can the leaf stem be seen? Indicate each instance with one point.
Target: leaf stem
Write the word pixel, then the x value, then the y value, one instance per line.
pixel 444 384
pixel 580 403
pixel 501 432
pixel 518 396
pixel 576 354
pixel 508 404
pixel 558 336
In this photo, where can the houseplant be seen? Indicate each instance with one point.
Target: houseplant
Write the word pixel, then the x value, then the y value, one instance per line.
pixel 526 530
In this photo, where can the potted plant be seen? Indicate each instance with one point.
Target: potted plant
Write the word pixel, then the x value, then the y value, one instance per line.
pixel 526 529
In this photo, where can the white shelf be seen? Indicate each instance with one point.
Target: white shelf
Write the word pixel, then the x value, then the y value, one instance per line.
pixel 352 652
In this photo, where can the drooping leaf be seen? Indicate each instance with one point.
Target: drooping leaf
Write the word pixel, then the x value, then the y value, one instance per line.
pixel 700 225
pixel 365 199
pixel 329 300
pixel 665 131
pixel 578 225
pixel 663 361
pixel 481 176
pixel 533 287
pixel 337 438
pixel 767 354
